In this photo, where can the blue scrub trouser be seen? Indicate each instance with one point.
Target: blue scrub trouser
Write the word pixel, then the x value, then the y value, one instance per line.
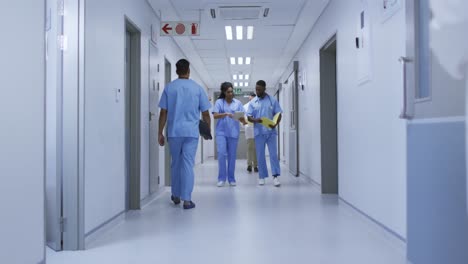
pixel 183 151
pixel 227 151
pixel 271 141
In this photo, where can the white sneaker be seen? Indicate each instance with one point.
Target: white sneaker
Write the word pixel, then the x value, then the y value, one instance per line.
pixel 221 184
pixel 276 182
pixel 261 181
pixel 232 183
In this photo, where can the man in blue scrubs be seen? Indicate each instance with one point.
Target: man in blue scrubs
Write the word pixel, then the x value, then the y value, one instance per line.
pixel 267 106
pixel 181 103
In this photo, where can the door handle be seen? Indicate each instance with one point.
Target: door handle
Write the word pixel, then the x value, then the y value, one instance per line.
pixel 151 115
pixel 404 112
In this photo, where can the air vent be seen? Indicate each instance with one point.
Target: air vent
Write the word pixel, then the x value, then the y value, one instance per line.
pixel 240 12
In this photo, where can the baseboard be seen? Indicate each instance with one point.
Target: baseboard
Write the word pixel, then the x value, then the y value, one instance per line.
pixel 153 197
pixel 103 228
pixel 393 237
pixel 310 180
pixel 120 218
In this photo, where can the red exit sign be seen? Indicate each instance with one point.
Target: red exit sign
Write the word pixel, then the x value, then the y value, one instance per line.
pixel 180 28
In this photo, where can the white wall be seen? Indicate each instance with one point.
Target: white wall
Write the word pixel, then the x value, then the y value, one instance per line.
pixel 22 137
pixel 371 138
pixel 104 117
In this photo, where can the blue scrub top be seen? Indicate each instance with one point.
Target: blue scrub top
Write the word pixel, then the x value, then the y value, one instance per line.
pixel 267 107
pixel 227 126
pixel 184 99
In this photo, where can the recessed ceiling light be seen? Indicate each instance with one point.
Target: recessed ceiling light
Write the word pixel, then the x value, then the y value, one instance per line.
pixel 236 84
pixel 234 77
pixel 239 31
pixel 247 76
pixel 246 84
pixel 241 84
pixel 233 60
pixel 247 60
pixel 240 60
pixel 250 30
pixel 228 32
pixel 241 77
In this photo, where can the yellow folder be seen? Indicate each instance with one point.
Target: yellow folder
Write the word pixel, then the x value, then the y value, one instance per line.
pixel 267 122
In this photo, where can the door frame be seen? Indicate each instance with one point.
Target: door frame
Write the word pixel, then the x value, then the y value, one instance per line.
pixel 153 83
pixel 329 118
pixel 133 112
pixel 167 153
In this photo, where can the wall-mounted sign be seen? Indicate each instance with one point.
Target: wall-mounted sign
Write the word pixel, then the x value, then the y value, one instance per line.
pixel 180 28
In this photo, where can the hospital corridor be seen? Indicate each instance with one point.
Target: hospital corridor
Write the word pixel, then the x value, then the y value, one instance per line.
pixel 233 131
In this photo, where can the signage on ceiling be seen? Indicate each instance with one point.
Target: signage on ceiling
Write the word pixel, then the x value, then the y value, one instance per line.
pixel 180 28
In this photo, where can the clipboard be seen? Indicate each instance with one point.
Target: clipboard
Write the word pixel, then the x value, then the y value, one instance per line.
pixel 266 122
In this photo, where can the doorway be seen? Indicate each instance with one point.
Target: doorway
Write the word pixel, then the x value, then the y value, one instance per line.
pixel 132 115
pixel 167 153
pixel 328 118
pixel 154 179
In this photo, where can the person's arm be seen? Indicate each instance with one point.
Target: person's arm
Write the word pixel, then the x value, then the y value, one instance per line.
pixel 250 115
pixel 206 118
pixel 221 115
pixel 254 120
pixel 162 124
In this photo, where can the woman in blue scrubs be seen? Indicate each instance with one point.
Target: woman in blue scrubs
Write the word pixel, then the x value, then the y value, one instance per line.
pixel 227 133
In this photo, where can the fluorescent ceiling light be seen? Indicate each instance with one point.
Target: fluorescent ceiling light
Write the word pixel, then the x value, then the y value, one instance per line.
pixel 240 60
pixel 236 84
pixel 247 76
pixel 234 77
pixel 246 84
pixel 233 60
pixel 247 60
pixel 250 30
pixel 239 34
pixel 228 32
pixel 241 77
pixel 241 84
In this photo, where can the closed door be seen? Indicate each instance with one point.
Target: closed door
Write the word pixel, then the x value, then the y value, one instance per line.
pixel 434 109
pixel 153 120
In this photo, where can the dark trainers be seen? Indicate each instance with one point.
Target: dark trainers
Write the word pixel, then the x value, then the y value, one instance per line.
pixel 175 200
pixel 256 169
pixel 189 205
pixel 249 168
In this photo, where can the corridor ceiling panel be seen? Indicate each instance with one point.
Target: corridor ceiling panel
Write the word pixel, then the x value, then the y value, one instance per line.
pixel 279 29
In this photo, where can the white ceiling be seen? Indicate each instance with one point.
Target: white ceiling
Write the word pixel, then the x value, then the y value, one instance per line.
pixel 277 37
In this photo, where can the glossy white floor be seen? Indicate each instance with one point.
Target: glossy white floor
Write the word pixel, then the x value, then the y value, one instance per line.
pixel 243 224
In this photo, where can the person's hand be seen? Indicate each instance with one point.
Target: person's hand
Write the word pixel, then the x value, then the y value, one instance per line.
pixel 161 139
pixel 229 115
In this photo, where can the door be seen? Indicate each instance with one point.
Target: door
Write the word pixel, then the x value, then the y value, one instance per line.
pixel 132 115
pixel 328 118
pixel 434 110
pixel 167 153
pixel 153 119
pixel 53 110
pixel 293 122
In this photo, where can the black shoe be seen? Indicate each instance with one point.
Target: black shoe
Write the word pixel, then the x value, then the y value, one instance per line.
pixel 175 200
pixel 249 168
pixel 189 205
pixel 256 169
